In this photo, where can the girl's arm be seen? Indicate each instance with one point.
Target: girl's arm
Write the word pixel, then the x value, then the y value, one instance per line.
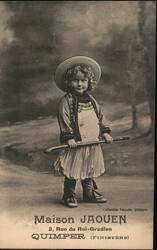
pixel 66 130
pixel 104 126
pixel 105 129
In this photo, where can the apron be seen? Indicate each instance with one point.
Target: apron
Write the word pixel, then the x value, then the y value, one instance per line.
pixel 83 162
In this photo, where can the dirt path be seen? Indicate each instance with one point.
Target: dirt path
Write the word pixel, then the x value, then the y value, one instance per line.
pixel 22 188
pixel 26 193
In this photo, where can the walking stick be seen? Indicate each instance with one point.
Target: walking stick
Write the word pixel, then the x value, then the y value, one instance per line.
pixel 87 143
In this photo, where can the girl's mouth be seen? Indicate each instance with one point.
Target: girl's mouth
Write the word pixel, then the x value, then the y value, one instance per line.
pixel 79 88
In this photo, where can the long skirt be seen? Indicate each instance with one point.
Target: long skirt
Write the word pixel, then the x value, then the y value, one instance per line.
pixel 81 163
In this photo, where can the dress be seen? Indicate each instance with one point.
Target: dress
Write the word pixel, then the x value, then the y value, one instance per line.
pixel 83 162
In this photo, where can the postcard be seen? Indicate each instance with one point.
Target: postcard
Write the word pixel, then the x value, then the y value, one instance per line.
pixel 77 118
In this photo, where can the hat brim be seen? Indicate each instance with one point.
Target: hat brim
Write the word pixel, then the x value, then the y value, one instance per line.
pixel 68 63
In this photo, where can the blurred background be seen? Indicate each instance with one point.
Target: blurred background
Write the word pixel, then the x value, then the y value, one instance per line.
pixel 36 36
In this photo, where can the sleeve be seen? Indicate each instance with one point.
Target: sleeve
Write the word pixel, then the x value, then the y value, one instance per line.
pixel 104 124
pixel 66 130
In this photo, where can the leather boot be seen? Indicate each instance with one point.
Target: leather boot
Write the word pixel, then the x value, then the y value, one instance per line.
pixel 69 198
pixel 89 192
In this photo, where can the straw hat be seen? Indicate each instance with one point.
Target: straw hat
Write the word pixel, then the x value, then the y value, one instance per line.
pixel 72 61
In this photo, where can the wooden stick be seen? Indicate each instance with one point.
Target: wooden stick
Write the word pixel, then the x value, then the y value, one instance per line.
pixel 81 144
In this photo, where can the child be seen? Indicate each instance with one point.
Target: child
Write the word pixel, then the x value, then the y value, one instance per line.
pixel 80 119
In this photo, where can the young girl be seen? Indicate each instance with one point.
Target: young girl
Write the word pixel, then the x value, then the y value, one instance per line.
pixel 80 119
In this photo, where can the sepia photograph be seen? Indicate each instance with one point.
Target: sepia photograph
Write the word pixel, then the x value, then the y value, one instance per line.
pixel 77 124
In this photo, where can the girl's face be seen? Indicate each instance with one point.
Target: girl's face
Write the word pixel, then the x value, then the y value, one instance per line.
pixel 80 83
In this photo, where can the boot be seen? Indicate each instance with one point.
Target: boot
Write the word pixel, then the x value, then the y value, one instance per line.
pixel 69 198
pixel 89 192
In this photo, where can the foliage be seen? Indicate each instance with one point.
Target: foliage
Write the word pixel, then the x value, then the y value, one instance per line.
pixel 29 111
pixel 47 32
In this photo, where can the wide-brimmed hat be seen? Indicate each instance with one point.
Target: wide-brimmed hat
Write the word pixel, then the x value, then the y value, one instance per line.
pixel 72 61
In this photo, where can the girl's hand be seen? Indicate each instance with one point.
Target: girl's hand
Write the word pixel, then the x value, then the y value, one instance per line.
pixel 107 138
pixel 72 143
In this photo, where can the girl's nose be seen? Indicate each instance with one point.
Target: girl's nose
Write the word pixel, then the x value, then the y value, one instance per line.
pixel 79 82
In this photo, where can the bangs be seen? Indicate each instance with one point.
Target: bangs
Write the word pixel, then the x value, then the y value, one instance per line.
pixel 71 73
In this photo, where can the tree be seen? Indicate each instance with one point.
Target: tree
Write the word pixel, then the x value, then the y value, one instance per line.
pixel 146 25
pixel 129 59
pixel 135 78
pixel 28 62
pixel 120 60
